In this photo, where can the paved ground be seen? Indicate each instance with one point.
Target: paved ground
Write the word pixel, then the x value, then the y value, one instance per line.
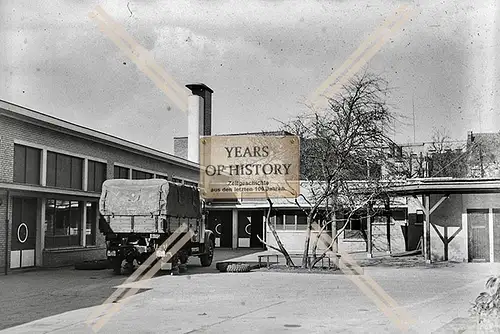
pixel 28 296
pixel 268 302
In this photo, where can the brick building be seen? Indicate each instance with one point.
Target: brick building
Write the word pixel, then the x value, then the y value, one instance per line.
pixel 50 180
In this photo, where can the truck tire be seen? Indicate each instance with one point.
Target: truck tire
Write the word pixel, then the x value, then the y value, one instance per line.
pixel 116 265
pixel 238 268
pixel 206 259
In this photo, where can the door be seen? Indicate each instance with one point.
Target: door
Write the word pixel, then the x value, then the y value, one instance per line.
pixel 221 223
pixel 245 221
pixel 496 235
pixel 479 242
pixel 23 242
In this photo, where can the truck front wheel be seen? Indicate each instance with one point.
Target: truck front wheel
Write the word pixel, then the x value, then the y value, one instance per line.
pixel 206 259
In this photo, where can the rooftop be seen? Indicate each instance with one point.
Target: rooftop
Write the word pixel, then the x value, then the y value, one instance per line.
pixel 24 114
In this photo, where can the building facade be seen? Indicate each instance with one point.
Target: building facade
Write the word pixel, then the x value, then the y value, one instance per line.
pixel 50 181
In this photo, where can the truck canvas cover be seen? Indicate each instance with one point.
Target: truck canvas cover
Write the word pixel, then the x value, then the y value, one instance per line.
pixel 150 197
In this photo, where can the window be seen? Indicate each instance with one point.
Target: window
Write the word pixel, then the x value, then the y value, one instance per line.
pixel 301 221
pixel 139 175
pixel 90 224
pixel 26 164
pixel 96 175
pixel 158 176
pixel 121 172
pixel 64 171
pixel 356 229
pixel 192 184
pixel 63 222
pixel 176 180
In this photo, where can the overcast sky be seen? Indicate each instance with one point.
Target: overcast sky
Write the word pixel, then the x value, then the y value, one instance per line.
pixel 261 58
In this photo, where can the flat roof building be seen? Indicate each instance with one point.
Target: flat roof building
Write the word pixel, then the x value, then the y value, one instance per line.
pixel 50 181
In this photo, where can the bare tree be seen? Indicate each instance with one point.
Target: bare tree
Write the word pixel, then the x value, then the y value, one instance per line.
pixel 347 142
pixel 444 160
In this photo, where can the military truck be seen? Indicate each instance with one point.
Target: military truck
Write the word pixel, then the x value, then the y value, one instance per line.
pixel 151 221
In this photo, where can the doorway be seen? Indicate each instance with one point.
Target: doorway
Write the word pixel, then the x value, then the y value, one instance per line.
pixel 479 237
pixel 221 223
pixel 23 240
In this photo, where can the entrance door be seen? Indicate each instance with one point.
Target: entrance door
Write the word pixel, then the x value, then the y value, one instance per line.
pixel 479 242
pixel 24 213
pixel 221 223
pixel 256 230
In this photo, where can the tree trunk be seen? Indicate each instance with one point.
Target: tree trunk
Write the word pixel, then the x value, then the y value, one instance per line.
pixel 335 246
pixel 305 255
pixel 288 259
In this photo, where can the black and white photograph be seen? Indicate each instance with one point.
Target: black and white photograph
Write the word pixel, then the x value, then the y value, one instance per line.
pixel 260 166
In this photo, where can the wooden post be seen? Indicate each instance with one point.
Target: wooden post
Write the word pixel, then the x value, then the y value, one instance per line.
pixel 369 228
pixel 445 237
pixel 427 228
pixel 388 224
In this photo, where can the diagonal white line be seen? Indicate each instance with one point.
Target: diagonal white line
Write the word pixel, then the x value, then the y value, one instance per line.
pixel 354 68
pixel 142 58
pixel 362 47
pixel 116 306
pixel 376 293
pixel 182 91
pixel 142 268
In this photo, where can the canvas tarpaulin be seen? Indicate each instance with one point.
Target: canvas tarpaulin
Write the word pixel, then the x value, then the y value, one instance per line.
pixel 149 197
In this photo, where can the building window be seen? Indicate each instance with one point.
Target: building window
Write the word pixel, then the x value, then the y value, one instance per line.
pixel 301 221
pixel 63 222
pixel 192 184
pixel 96 175
pixel 26 164
pixel 121 172
pixel 357 228
pixel 158 176
pixel 176 180
pixel 90 224
pixel 139 175
pixel 64 171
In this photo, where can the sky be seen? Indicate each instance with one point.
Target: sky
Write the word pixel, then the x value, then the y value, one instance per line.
pixel 261 58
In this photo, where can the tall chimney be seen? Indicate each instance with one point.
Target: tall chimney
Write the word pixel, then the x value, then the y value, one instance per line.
pixel 199 118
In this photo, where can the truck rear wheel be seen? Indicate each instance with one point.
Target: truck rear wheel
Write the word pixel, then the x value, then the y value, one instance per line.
pixel 116 265
pixel 206 259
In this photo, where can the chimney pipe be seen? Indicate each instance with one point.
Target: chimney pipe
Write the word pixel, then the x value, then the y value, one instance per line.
pixel 199 118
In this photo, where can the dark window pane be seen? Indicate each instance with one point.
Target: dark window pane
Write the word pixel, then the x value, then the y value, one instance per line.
pixel 290 222
pixel 100 176
pixel 33 165
pixel 51 169
pixel 76 173
pixel 91 176
pixel 63 171
pixel 19 163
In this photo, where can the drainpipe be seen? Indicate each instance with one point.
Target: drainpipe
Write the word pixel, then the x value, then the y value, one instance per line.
pixel 7 222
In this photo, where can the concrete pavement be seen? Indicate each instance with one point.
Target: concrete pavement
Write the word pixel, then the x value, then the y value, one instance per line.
pixel 31 295
pixel 265 302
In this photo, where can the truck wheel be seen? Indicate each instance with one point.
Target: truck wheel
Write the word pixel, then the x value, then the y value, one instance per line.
pixel 116 265
pixel 206 259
